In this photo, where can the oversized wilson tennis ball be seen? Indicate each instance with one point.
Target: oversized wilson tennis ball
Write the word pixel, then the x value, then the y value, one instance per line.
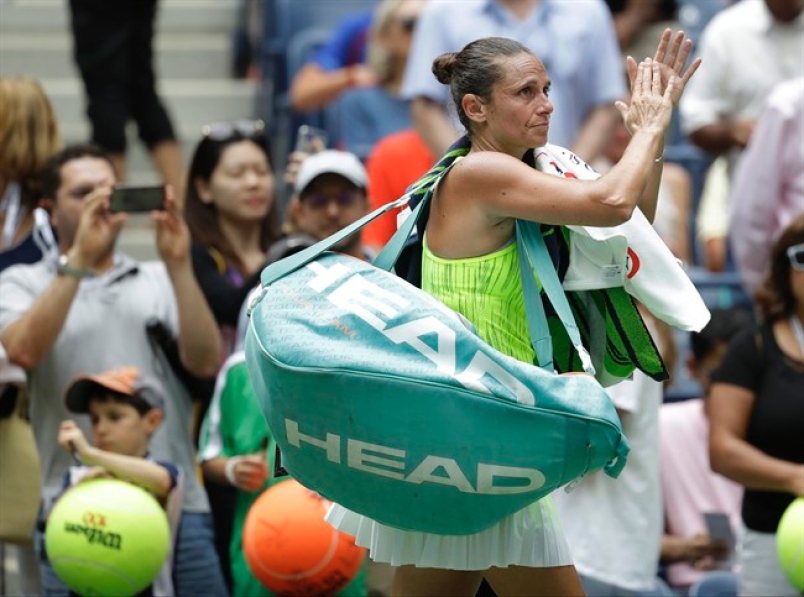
pixel 107 537
pixel 790 543
pixel 291 549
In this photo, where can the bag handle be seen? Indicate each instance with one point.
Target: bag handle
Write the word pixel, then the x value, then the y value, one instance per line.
pixel 389 255
pixel 533 257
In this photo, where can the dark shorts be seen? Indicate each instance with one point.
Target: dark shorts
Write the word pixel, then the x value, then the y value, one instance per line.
pixel 113 52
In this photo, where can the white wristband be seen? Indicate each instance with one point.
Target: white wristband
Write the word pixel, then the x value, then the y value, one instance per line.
pixel 229 469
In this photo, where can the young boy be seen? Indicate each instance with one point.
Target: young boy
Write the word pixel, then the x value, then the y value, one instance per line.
pixel 125 409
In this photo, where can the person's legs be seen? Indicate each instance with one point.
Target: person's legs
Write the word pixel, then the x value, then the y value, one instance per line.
pixel 196 568
pixel 169 163
pixel 410 581
pixel 597 588
pixel 521 581
pixel 760 571
pixel 101 52
pixel 153 122
pixel 119 163
pixel 29 570
pixel 51 584
pixel 222 499
pixel 720 583
pixel 663 589
pixel 378 578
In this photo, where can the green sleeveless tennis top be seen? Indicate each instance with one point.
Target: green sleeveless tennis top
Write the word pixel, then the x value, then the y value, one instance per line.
pixel 487 290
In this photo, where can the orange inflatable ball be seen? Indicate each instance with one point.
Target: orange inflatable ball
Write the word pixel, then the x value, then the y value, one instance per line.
pixel 291 549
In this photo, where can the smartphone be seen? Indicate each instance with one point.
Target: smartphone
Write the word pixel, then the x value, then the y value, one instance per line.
pixel 719 528
pixel 305 137
pixel 137 199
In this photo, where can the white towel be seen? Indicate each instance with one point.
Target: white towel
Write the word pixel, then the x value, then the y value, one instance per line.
pixel 631 255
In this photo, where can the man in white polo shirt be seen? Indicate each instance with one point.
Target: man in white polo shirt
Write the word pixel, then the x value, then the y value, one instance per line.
pixel 85 310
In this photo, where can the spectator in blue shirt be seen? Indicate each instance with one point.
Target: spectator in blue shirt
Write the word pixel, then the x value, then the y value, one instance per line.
pixel 338 65
pixel 368 114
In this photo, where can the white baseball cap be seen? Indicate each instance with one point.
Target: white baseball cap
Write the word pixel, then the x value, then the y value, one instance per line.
pixel 331 161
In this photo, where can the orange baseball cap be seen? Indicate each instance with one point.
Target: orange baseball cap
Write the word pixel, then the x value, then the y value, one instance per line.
pixel 127 381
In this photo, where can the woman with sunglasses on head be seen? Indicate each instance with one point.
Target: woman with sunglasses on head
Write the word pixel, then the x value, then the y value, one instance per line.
pixel 233 215
pixel 756 412
pixel 367 114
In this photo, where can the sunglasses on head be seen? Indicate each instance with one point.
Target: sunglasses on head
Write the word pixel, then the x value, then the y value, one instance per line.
pixel 320 200
pixel 408 23
pixel 221 131
pixel 796 256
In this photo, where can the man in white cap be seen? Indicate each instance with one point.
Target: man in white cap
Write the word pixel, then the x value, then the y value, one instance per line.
pixel 331 193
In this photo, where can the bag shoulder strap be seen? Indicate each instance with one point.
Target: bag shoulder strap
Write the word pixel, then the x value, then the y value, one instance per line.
pixel 285 266
pixel 534 258
pixel 393 248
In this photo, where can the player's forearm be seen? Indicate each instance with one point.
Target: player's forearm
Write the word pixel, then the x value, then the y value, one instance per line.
pixel 650 195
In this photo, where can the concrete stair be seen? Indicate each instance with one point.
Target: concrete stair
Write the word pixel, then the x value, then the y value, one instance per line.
pixel 190 16
pixel 48 54
pixel 192 59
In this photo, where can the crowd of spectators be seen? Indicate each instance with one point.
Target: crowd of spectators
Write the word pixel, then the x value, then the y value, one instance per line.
pixel 72 305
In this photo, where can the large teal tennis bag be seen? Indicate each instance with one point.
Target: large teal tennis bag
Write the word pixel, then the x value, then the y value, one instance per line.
pixel 387 402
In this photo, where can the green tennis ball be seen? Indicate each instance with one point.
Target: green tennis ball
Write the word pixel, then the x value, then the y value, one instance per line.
pixel 107 537
pixel 790 543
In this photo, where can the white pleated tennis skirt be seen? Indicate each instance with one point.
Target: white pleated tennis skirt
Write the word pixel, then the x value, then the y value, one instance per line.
pixel 530 537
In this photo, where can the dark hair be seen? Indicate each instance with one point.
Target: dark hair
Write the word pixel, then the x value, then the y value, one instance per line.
pixel 105 395
pixel 202 218
pixel 774 297
pixel 475 69
pixel 51 171
pixel 723 325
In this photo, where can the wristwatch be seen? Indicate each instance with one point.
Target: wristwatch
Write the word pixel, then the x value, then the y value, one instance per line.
pixel 63 268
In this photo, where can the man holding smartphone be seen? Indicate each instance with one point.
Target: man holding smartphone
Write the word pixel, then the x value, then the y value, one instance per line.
pixel 85 310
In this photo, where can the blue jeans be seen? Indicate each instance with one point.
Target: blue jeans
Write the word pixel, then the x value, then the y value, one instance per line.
pixel 52 585
pixel 720 583
pixel 196 567
pixel 596 588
